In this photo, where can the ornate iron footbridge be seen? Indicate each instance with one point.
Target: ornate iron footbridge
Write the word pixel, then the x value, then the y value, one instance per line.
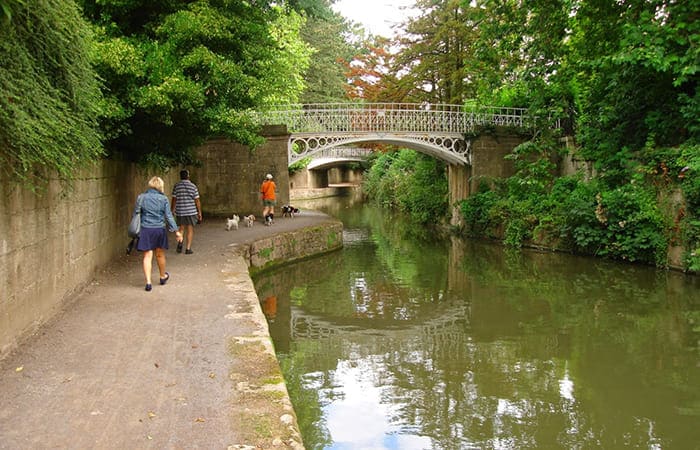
pixel 446 321
pixel 440 130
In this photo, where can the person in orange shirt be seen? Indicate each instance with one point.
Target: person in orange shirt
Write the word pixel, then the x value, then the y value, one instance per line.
pixel 268 198
pixel 269 307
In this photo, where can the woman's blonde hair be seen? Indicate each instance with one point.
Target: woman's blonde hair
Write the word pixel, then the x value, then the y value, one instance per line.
pixel 156 183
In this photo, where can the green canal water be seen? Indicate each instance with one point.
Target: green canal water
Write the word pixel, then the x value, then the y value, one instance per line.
pixel 403 340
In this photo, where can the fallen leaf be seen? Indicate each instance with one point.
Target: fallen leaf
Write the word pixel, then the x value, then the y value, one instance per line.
pixel 150 438
pixel 19 369
pixel 156 364
pixel 151 414
pixel 199 419
pixel 212 375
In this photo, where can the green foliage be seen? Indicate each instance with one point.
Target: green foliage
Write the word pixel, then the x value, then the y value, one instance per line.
pixel 177 72
pixel 622 222
pixel 634 83
pixel 476 212
pixel 691 237
pixel 50 95
pixel 688 163
pixel 630 225
pixel 437 59
pixel 5 10
pixel 410 182
pixel 299 165
pixel 325 32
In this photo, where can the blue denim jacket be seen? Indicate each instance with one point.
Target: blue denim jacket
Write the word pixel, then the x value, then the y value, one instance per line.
pixel 155 210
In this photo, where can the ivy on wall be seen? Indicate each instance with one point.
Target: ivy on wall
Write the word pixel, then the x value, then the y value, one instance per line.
pixel 51 95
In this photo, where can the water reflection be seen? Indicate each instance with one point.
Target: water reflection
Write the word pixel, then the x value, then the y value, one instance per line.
pixel 404 341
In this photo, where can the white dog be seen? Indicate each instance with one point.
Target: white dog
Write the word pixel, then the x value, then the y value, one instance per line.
pixel 249 220
pixel 232 223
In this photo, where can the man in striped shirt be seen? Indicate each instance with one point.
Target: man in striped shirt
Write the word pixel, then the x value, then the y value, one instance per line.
pixel 186 209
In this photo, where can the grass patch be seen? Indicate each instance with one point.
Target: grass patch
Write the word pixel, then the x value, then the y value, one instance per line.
pixel 266 253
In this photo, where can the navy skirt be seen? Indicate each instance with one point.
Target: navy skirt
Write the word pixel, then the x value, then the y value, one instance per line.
pixel 152 238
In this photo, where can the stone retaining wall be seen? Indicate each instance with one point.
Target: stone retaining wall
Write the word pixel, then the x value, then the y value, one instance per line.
pixel 52 242
pixel 292 246
pixel 265 387
pixel 230 175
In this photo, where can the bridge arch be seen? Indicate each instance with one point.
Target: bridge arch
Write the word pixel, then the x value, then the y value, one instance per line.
pixel 328 163
pixel 451 148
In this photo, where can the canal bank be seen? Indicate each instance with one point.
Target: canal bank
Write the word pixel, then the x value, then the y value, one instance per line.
pixel 188 365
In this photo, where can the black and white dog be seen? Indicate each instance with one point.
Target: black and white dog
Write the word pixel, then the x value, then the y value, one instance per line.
pixel 289 211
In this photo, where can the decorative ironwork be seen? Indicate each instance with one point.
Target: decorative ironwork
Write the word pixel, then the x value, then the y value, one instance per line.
pixel 345 152
pixel 437 129
pixel 451 147
pixel 310 326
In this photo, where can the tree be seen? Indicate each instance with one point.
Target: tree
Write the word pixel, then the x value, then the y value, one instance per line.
pixel 49 92
pixel 637 79
pixel 435 54
pixel 176 72
pixel 369 72
pixel 623 74
pixel 325 32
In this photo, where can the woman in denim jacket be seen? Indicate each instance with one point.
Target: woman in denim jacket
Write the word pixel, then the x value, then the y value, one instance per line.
pixel 155 212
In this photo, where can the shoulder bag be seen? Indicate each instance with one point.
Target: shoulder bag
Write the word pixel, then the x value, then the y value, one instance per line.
pixel 135 225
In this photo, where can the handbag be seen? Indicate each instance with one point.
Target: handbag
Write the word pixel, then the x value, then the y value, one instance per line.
pixel 135 225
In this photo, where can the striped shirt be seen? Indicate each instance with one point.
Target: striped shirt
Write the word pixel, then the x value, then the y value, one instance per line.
pixel 185 192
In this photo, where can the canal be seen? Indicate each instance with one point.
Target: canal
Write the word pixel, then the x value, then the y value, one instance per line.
pixel 405 340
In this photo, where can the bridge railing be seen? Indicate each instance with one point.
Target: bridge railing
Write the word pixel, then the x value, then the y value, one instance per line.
pixel 344 152
pixel 390 117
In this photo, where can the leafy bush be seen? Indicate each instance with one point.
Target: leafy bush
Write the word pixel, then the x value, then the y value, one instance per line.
pixel 688 163
pixel 634 227
pixel 410 182
pixel 299 165
pixel 622 222
pixel 689 174
pixel 177 72
pixel 691 237
pixel 475 212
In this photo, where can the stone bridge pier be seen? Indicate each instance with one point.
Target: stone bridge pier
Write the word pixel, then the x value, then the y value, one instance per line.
pixel 488 152
pixel 309 179
pixel 322 178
